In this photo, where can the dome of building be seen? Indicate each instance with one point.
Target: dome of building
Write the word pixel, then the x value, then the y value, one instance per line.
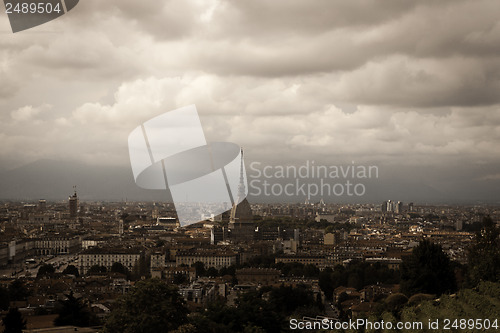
pixel 242 212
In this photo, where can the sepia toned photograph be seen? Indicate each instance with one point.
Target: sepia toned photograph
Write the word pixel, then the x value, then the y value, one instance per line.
pixel 206 166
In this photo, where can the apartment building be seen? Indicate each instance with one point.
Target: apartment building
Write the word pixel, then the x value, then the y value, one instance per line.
pixel 216 258
pixel 107 257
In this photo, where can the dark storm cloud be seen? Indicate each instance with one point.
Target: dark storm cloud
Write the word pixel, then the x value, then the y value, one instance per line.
pixel 427 55
pixel 162 20
pixel 271 19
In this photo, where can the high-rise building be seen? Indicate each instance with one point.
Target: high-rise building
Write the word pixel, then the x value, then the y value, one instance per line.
pixel 399 207
pixel 73 205
pixel 387 206
pixel 296 235
pixel 42 205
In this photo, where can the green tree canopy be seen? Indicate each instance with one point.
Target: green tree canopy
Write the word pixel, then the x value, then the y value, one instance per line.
pixel 46 270
pixel 264 310
pixel 395 302
pixel 326 283
pixel 427 270
pixel 118 267
pixel 18 291
pixel 212 271
pixel 356 275
pixel 286 299
pixel 419 298
pixel 179 278
pixel 482 302
pixel 71 270
pixel 200 268
pixel 73 311
pixel 484 254
pixel 141 267
pixel 4 298
pixel 151 306
pixel 96 269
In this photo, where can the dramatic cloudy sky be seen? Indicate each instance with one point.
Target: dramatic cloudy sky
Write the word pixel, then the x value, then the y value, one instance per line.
pixel 410 86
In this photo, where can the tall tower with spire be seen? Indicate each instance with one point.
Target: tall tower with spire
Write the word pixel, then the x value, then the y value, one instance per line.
pixel 241 187
pixel 241 219
pixel 241 191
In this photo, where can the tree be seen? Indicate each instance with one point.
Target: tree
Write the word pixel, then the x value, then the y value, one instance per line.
pixel 186 328
pixel 96 269
pixel 151 306
pixel 212 272
pixel 419 298
pixel 14 321
pixel 480 302
pixel 252 310
pixel 200 268
pixel 18 291
pixel 71 270
pixel 204 324
pixel 118 267
pixel 4 298
pixel 286 299
pixel 265 310
pixel 230 270
pixel 46 270
pixel 395 302
pixel 484 254
pixel 326 283
pixel 427 270
pixel 311 270
pixel 179 278
pixel 141 268
pixel 73 311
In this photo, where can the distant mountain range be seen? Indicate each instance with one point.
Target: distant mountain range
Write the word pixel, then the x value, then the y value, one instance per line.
pixel 54 180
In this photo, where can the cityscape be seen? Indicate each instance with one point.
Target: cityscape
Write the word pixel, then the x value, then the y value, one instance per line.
pixel 52 253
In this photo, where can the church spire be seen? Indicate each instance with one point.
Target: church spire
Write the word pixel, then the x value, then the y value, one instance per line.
pixel 241 191
pixel 241 186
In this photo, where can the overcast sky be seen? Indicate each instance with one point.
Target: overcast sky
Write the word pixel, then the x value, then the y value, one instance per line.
pixel 411 86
